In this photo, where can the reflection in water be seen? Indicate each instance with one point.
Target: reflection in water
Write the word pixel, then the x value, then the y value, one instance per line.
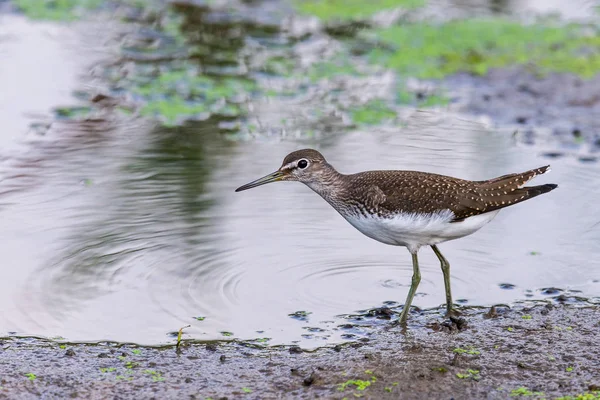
pixel 573 10
pixel 157 236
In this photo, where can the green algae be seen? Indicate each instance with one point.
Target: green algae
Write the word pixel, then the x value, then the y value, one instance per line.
pixel 342 66
pixel 372 113
pixel 182 95
pixel 430 51
pixel 469 374
pixel 582 396
pixel 57 10
pixel 351 10
pixel 469 350
pixel 524 392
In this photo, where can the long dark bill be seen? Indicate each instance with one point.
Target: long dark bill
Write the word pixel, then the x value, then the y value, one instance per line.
pixel 274 177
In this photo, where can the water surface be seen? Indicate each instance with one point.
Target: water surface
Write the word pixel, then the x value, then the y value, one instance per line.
pixel 114 228
pixel 130 236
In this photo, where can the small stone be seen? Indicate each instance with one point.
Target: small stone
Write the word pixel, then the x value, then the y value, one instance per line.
pixel 507 286
pixel 211 346
pixel 561 298
pixel 222 358
pixel 295 350
pixel 70 353
pixel 381 313
pixel 103 355
pixel 309 380
pixel 551 291
pixel 188 380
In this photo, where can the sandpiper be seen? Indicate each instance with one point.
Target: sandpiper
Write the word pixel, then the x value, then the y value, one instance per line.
pixel 408 208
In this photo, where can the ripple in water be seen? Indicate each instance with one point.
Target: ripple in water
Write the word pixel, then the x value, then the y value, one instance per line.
pixel 158 237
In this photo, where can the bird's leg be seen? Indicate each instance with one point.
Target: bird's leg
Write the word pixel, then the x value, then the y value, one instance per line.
pixel 446 271
pixel 416 278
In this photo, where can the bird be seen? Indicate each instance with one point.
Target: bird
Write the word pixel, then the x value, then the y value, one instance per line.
pixel 407 208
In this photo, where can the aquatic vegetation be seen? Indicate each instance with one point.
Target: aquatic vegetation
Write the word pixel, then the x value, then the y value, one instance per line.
pixel 137 352
pixel 72 112
pixel 470 351
pixel 469 374
pixel 31 376
pixel 582 396
pixel 156 376
pixel 105 370
pixel 348 10
pixel 179 334
pixel 246 390
pixel 430 51
pixel 372 113
pixel 227 334
pixel 55 9
pixel 333 68
pixel 524 392
pixel 359 384
pixel 182 94
pixel 526 316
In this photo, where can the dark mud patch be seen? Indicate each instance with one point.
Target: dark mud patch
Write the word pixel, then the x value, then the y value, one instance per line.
pixel 555 112
pixel 540 351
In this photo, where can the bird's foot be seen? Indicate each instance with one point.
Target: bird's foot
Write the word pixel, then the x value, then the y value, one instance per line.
pixel 453 312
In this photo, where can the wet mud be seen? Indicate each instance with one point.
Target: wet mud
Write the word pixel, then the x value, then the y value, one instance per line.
pixel 536 350
pixel 555 113
pixel 531 350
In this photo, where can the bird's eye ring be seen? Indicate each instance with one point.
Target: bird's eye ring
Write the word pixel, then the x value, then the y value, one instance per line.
pixel 302 164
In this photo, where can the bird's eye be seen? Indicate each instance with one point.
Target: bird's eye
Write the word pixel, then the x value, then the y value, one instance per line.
pixel 302 164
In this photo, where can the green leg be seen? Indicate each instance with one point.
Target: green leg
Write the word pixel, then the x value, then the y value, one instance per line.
pixel 416 278
pixel 446 271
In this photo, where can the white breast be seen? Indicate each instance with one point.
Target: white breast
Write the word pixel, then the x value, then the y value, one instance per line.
pixel 414 230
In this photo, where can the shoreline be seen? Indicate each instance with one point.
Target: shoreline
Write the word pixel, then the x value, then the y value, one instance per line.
pixel 546 351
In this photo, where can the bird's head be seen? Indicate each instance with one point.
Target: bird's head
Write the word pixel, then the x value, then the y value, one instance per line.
pixel 302 165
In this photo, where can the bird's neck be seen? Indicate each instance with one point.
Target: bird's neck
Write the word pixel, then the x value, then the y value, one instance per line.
pixel 329 184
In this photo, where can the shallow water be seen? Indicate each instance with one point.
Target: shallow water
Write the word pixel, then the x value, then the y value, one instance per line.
pixel 155 236
pixel 115 229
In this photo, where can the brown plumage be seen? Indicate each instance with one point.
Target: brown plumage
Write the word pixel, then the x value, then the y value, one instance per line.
pixel 387 192
pixel 408 208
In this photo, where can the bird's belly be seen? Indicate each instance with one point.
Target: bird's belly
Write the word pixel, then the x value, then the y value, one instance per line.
pixel 415 230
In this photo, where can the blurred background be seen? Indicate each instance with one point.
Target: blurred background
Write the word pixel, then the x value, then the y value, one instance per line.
pixel 127 125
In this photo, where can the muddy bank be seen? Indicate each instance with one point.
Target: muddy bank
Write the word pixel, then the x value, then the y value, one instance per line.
pixel 556 113
pixel 540 350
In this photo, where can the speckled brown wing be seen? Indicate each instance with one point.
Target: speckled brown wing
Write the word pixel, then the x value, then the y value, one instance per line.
pixel 497 193
pixel 390 192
